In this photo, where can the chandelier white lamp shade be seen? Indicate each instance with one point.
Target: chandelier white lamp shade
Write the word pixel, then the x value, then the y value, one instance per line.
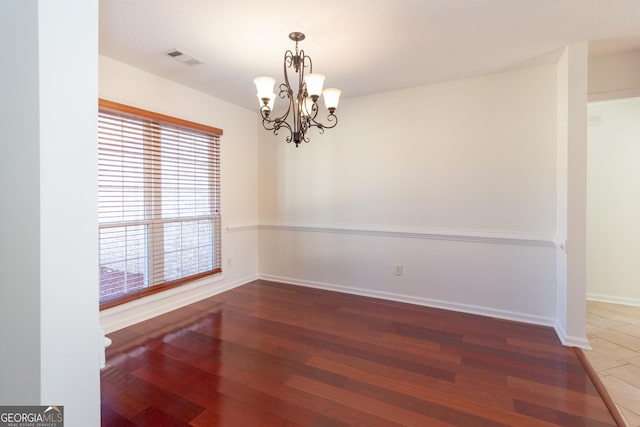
pixel 302 109
pixel 331 98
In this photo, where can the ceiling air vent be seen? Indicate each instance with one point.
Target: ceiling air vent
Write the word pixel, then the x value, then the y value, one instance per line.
pixel 183 57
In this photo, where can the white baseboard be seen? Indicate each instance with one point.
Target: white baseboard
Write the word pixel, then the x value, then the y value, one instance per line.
pixel 571 341
pixel 464 308
pixel 154 305
pixel 613 299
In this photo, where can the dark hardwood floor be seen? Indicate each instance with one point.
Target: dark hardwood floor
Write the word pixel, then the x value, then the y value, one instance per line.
pixel 269 354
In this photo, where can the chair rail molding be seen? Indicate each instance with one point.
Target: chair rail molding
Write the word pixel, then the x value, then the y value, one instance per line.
pixel 450 234
pixel 236 228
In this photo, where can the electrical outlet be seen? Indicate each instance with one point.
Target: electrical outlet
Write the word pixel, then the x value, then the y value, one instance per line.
pixel 228 262
pixel 398 270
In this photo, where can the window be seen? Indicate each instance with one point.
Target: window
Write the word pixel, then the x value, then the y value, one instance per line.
pixel 158 202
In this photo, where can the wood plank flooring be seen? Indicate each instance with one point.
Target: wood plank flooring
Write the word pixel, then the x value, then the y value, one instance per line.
pixel 614 334
pixel 270 354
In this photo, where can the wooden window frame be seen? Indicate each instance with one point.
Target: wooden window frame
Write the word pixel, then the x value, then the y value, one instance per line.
pixel 156 119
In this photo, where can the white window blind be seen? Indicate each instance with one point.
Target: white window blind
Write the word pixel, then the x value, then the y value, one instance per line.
pixel 158 204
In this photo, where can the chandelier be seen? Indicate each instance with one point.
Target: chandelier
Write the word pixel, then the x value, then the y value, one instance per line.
pixel 303 106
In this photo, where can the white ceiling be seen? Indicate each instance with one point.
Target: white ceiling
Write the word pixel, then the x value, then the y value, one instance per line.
pixel 363 46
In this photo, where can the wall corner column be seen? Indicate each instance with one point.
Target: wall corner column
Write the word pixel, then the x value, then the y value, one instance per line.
pixel 48 187
pixel 571 195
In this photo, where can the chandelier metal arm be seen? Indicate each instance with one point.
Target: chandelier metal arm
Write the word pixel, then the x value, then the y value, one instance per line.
pixel 330 118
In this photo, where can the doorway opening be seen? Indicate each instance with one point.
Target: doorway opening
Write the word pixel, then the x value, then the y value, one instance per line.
pixel 613 249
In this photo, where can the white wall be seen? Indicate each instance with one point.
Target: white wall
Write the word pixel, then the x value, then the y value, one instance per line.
pixel 128 85
pixel 20 194
pixel 473 154
pixel 48 260
pixel 613 203
pixel 455 181
pixel 614 76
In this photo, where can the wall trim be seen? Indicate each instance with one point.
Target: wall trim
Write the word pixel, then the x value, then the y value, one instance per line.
pixel 456 235
pixel 154 305
pixel 571 341
pixel 427 302
pixel 611 299
pixel 239 228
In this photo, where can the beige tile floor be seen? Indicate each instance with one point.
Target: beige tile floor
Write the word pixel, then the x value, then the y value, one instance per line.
pixel 613 331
